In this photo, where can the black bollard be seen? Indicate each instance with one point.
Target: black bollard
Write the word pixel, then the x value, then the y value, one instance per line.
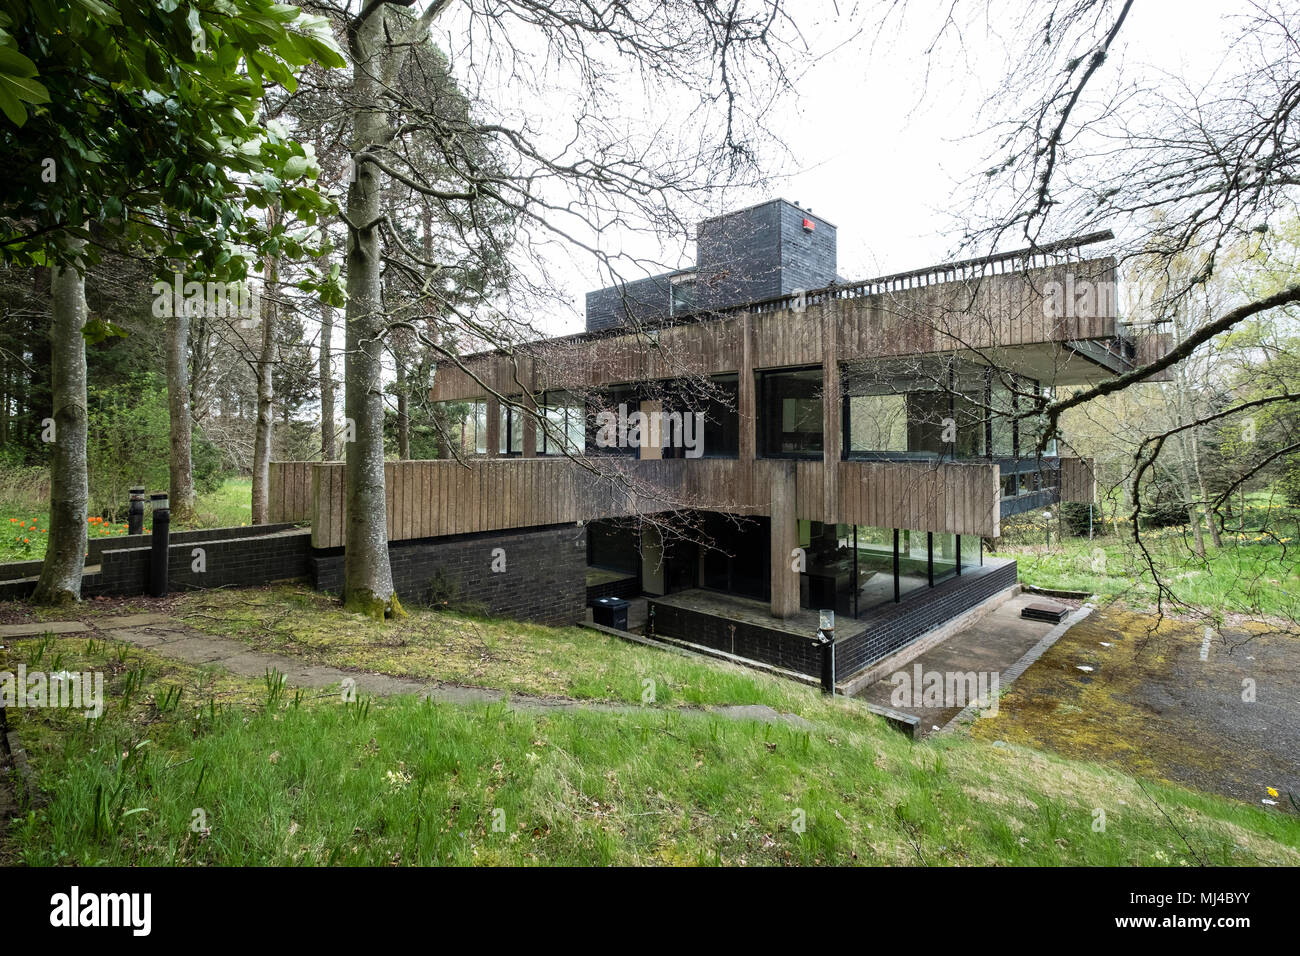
pixel 828 667
pixel 161 531
pixel 826 637
pixel 135 512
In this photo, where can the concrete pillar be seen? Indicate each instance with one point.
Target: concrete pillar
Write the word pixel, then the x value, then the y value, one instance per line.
pixel 652 446
pixel 785 539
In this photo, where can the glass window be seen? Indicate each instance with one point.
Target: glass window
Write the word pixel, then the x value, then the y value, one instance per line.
pixel 790 414
pixel 945 555
pixel 565 431
pixel 683 295
pixel 827 581
pixel 877 423
pixel 875 549
pixel 1002 410
pixel 969 411
pixel 971 547
pixel 513 422
pixel 607 409
pixel 913 561
pixel 919 407
pixel 722 418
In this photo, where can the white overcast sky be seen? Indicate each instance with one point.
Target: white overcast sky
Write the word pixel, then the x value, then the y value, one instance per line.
pixel 880 153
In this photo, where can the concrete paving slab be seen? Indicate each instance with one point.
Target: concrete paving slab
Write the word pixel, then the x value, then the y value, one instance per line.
pixel 992 644
pixel 36 630
pixel 133 620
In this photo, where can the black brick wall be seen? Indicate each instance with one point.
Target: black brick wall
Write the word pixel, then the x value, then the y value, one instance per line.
pixel 887 629
pixel 648 300
pixel 627 588
pixel 259 555
pixel 764 644
pixel 897 625
pixel 544 579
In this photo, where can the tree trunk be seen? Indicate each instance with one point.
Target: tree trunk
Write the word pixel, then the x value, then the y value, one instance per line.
pixel 367 574
pixel 181 492
pixel 65 553
pixel 326 364
pixel 265 393
pixel 1210 517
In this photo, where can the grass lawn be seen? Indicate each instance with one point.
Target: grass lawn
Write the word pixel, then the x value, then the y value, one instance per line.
pixel 1255 573
pixel 499 653
pixel 24 529
pixel 239 771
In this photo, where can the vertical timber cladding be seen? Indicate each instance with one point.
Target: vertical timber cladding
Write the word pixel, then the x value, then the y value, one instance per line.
pixel 289 494
pixel 430 499
pixel 1078 480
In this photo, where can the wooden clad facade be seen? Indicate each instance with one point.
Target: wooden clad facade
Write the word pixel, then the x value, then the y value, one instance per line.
pixel 435 498
pixel 984 315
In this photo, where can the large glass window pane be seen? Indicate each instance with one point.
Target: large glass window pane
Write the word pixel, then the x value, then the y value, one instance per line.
pixel 827 584
pixel 605 406
pixel 945 555
pixel 565 431
pixel 875 566
pixel 790 413
pixel 969 408
pixel 902 406
pixel 877 423
pixel 913 561
pixel 1002 412
pixel 721 418
pixel 972 554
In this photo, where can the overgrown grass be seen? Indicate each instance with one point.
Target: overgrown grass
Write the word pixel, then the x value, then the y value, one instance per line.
pixel 461 649
pixel 1256 572
pixel 280 778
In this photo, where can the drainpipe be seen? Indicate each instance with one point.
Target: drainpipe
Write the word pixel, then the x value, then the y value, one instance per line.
pixel 161 532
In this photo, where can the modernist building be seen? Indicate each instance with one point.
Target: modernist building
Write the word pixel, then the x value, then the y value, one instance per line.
pixel 757 440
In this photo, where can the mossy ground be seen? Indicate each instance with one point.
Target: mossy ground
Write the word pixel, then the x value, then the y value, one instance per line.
pixel 1151 706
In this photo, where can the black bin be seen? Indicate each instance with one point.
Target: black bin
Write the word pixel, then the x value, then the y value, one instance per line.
pixel 610 612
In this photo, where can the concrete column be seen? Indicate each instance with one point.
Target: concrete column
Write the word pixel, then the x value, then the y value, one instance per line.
pixel 652 447
pixel 785 538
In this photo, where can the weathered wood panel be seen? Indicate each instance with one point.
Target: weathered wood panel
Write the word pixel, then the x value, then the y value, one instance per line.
pixel 289 495
pixel 1047 305
pixel 1078 480
pixel 956 497
pixel 435 498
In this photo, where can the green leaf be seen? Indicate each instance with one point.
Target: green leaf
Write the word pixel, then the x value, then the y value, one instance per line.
pixel 98 330
pixel 296 166
pixel 11 107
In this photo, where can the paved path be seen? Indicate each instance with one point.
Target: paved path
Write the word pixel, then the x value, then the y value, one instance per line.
pixel 1000 642
pixel 161 635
